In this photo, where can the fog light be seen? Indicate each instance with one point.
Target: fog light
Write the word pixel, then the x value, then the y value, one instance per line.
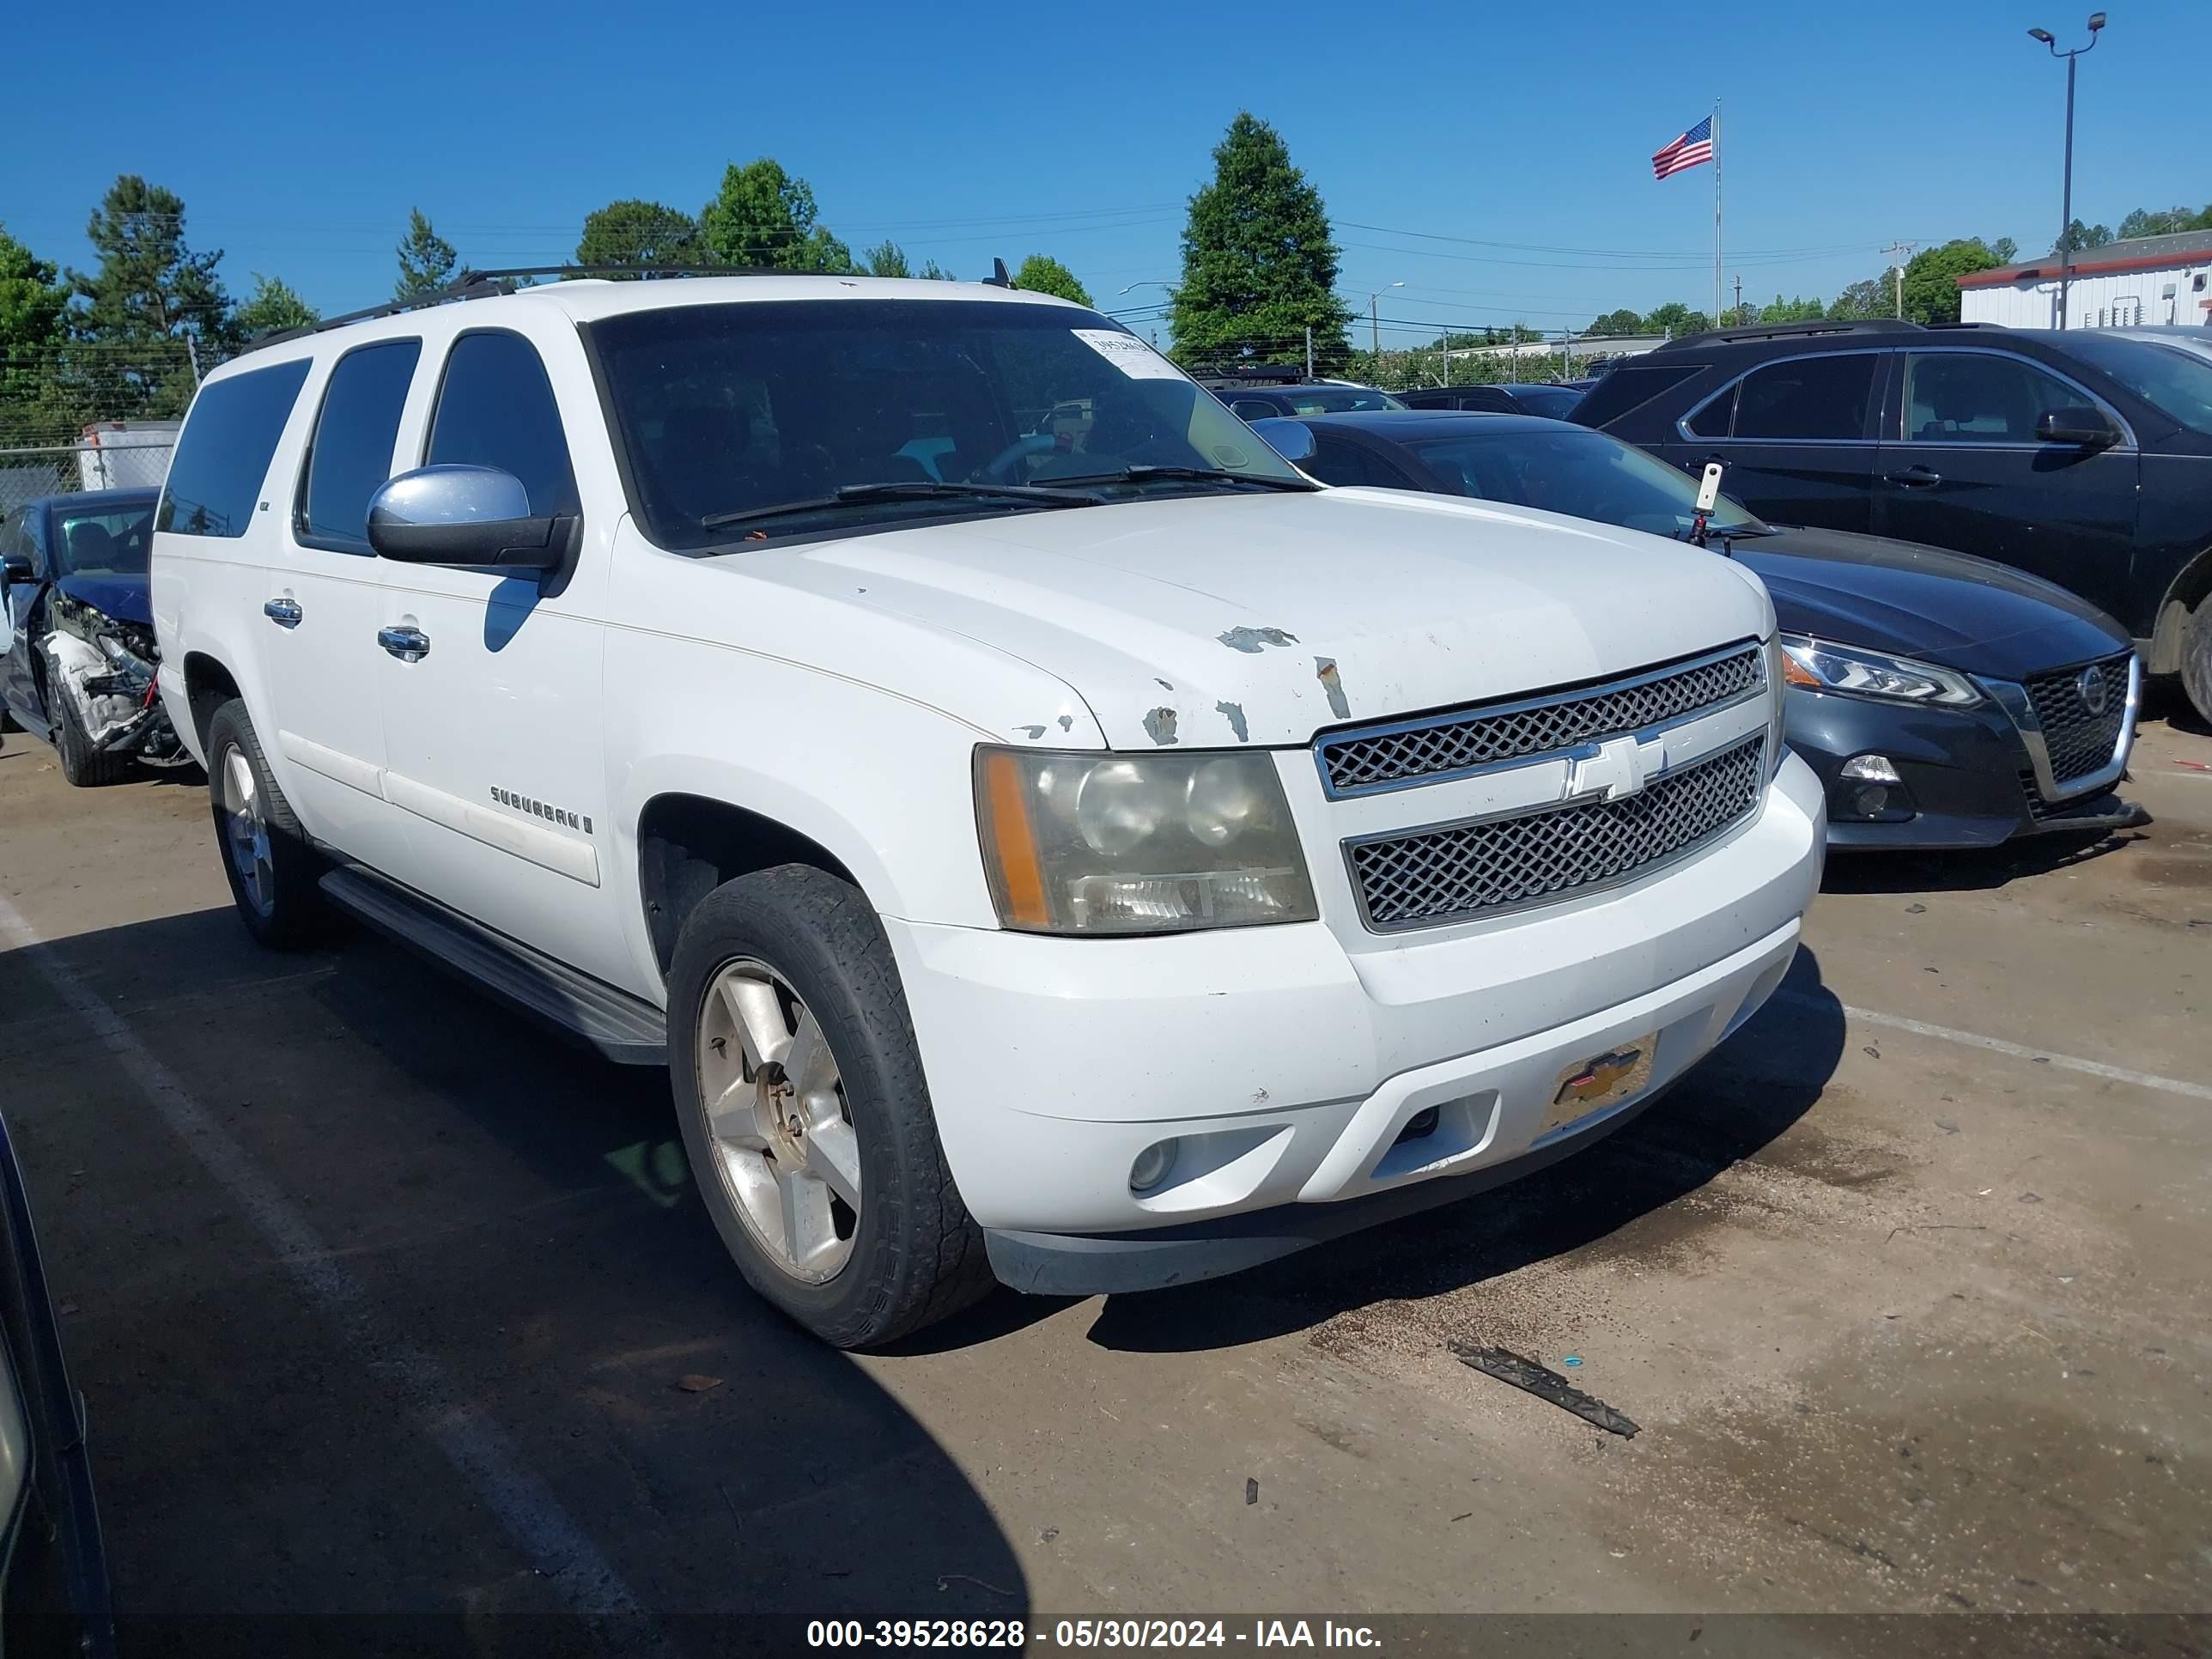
pixel 1420 1125
pixel 1153 1165
pixel 1871 768
pixel 1871 802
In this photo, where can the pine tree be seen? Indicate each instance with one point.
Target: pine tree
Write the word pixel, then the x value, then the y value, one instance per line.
pixel 152 297
pixel 1259 263
pixel 426 259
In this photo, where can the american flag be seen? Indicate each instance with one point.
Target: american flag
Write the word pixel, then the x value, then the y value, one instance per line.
pixel 1691 150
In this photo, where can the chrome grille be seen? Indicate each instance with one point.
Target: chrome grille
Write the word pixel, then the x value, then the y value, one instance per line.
pixel 2079 742
pixel 1434 876
pixel 1354 762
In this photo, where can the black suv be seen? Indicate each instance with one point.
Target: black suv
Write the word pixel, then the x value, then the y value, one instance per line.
pixel 2080 456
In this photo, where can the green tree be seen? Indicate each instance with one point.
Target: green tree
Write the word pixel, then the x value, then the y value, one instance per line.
pixel 634 232
pixel 2005 249
pixel 151 308
pixel 886 259
pixel 1259 263
pixel 2149 221
pixel 2079 236
pixel 1043 274
pixel 426 260
pixel 1931 278
pixel 764 218
pixel 275 308
pixel 1798 310
pixel 1872 297
pixel 34 324
pixel 1622 321
pixel 1675 321
pixel 931 271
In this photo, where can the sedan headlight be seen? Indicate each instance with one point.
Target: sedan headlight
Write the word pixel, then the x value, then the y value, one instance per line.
pixel 1821 667
pixel 1090 843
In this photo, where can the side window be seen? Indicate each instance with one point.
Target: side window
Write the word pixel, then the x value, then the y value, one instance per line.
pixel 1251 409
pixel 1807 397
pixel 229 438
pixel 1715 419
pixel 496 409
pixel 1978 398
pixel 351 453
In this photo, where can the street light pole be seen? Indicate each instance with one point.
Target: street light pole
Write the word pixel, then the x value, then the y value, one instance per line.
pixel 2066 207
pixel 1374 327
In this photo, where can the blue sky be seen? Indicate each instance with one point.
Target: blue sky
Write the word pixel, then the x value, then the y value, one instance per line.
pixel 299 137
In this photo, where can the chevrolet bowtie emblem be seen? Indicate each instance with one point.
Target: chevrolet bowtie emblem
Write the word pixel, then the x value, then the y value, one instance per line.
pixel 1615 769
pixel 1597 1077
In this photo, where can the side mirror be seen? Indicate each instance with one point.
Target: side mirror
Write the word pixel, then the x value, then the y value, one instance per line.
pixel 464 515
pixel 16 567
pixel 1292 440
pixel 2085 427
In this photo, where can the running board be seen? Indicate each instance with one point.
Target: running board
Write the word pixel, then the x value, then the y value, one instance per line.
pixel 619 1026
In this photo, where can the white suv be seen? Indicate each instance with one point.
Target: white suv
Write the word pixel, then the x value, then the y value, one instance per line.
pixel 1042 833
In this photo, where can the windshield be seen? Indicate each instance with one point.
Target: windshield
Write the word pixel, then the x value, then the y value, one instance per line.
pixel 1579 472
pixel 1338 400
pixel 2173 380
pixel 725 409
pixel 102 541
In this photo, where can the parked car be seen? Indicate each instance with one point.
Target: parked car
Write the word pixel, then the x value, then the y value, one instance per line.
pixel 2081 456
pixel 1507 397
pixel 53 1564
pixel 2196 339
pixel 1101 858
pixel 1260 403
pixel 1944 700
pixel 79 666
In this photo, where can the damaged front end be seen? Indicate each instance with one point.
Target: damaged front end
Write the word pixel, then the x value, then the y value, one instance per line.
pixel 104 666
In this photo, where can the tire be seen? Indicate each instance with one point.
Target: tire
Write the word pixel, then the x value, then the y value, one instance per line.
pixel 81 765
pixel 279 902
pixel 2197 659
pixel 796 942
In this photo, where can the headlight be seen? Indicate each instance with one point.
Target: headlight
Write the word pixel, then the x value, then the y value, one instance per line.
pixel 1138 844
pixel 1819 667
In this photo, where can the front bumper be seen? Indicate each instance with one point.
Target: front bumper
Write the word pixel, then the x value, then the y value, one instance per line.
pixel 1286 1065
pixel 1967 773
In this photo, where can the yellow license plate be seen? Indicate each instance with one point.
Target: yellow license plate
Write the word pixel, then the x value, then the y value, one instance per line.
pixel 1603 1080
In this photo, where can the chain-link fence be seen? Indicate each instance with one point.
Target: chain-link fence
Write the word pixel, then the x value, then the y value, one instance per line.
pixel 92 414
pixel 117 455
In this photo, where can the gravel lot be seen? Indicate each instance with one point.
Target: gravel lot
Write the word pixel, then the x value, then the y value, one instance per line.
pixel 380 1301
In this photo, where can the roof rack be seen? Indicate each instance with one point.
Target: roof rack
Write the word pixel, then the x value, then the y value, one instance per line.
pixel 488 285
pixel 1791 332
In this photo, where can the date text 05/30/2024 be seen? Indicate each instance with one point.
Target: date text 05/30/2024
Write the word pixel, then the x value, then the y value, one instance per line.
pixel 1087 1633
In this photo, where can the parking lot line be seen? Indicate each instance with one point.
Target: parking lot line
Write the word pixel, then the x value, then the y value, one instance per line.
pixel 1998 1045
pixel 471 1441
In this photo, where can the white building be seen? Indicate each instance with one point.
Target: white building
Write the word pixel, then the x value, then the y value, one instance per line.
pixel 2146 279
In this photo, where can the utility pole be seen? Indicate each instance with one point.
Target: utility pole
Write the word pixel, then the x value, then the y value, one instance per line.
pixel 1309 352
pixel 2066 209
pixel 192 355
pixel 1375 328
pixel 1904 250
pixel 1739 299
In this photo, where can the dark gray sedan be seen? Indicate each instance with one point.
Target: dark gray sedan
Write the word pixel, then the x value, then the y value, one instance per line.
pixel 1944 700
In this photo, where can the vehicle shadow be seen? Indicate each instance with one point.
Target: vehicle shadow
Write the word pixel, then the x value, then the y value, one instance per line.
pixel 1748 1092
pixel 516 1211
pixel 1979 870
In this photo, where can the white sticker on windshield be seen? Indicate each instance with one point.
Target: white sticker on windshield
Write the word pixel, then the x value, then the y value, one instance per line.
pixel 1129 354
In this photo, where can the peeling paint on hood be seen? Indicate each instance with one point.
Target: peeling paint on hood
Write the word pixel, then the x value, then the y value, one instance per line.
pixel 1416 602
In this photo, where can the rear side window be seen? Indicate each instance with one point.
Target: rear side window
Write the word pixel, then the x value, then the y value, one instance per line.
pixel 351 454
pixel 1631 387
pixel 1807 397
pixel 496 409
pixel 229 439
pixel 1340 463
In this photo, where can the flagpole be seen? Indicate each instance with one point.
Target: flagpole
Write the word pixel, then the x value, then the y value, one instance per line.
pixel 1717 213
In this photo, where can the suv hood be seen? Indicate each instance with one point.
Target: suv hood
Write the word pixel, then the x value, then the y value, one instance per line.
pixel 1950 609
pixel 1217 620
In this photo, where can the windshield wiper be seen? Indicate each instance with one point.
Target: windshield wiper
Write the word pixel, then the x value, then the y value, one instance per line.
pixel 1144 473
pixel 905 489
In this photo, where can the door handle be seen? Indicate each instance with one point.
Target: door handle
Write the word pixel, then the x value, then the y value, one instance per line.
pixel 408 644
pixel 1915 477
pixel 285 613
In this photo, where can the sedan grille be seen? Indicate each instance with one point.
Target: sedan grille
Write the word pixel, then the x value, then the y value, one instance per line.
pixel 1431 877
pixel 1357 761
pixel 2078 741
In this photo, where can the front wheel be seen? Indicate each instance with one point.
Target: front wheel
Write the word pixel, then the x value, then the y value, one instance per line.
pixel 805 1113
pixel 2197 659
pixel 82 765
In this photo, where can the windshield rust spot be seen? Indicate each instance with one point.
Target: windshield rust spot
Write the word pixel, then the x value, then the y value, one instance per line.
pixel 1234 713
pixel 1333 683
pixel 1160 726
